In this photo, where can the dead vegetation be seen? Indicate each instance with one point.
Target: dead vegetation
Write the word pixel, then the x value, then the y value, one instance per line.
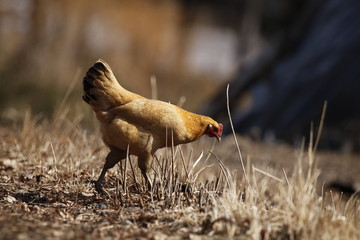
pixel 46 192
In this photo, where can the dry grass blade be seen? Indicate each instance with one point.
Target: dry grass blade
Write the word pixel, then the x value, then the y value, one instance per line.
pixel 267 174
pixel 196 163
pixel 226 173
pixel 181 101
pixel 183 163
pixel 134 176
pixel 127 159
pixel 60 113
pixel 234 134
pixel 286 177
pixel 321 125
pixel 153 84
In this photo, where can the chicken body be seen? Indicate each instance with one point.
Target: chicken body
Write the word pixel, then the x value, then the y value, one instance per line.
pixel 130 122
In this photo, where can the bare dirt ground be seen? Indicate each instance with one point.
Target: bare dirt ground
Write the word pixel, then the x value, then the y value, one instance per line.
pixel 46 190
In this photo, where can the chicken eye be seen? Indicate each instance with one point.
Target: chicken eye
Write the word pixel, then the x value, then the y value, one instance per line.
pixel 212 128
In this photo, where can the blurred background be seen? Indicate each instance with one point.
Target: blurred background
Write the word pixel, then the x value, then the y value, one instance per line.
pixel 283 59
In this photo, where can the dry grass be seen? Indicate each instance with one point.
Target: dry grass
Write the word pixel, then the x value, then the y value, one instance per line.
pixel 46 192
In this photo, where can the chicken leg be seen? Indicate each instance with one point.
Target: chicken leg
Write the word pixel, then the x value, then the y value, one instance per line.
pixel 114 156
pixel 144 163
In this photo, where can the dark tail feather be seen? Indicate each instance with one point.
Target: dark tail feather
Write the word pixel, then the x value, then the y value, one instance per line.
pixel 98 85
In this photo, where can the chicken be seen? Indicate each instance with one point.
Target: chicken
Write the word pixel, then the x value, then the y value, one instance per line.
pixel 130 122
